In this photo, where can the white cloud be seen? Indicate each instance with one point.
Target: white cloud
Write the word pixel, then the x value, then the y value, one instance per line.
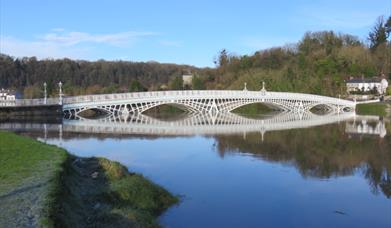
pixel 40 49
pixel 116 39
pixel 59 43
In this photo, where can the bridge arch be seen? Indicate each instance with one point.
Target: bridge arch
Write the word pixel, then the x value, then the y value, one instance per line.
pixel 183 106
pixel 269 105
pixel 80 111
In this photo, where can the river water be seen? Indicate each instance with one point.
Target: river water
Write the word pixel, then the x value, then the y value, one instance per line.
pixel 283 170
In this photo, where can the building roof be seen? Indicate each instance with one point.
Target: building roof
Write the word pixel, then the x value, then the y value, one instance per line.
pixel 7 92
pixel 365 80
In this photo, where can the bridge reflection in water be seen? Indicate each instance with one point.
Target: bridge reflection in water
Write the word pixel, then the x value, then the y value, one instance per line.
pixel 205 124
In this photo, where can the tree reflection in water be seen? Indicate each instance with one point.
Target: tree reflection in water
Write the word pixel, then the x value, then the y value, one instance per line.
pixel 343 146
pixel 322 152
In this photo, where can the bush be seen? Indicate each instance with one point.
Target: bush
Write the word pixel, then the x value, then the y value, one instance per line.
pixel 388 92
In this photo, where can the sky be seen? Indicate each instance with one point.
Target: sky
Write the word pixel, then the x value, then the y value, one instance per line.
pixel 172 31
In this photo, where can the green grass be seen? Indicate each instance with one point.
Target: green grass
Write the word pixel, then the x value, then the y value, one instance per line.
pixel 252 109
pixel 378 109
pixel 29 172
pixel 115 198
pixel 43 186
pixel 135 196
pixel 24 160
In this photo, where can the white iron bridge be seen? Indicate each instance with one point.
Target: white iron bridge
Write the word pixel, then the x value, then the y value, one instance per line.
pixel 203 101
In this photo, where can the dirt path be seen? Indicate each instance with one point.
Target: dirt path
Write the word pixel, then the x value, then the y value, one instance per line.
pixel 22 207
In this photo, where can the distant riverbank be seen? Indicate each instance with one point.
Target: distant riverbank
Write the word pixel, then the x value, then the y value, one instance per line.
pixel 379 109
pixel 43 185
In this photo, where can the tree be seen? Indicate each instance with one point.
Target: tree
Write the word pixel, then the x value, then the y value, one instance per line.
pixel 111 76
pixel 388 26
pixel 222 59
pixel 379 33
pixel 33 91
pixel 176 83
pixel 136 86
pixel 197 83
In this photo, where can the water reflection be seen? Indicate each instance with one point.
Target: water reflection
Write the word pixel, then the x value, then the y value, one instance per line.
pixel 197 124
pixel 247 172
pixel 367 125
pixel 331 149
pixel 359 145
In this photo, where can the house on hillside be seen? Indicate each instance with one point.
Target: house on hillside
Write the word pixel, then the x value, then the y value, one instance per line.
pixel 187 79
pixel 367 85
pixel 7 95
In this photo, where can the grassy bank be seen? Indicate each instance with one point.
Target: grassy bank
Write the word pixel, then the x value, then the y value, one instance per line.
pixel 29 178
pixel 97 192
pixel 42 185
pixel 378 109
pixel 253 109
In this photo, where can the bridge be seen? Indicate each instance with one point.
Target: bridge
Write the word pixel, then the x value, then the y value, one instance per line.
pixel 203 101
pixel 192 101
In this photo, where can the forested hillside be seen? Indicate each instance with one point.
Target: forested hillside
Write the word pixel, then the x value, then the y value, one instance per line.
pixel 319 63
pixel 84 77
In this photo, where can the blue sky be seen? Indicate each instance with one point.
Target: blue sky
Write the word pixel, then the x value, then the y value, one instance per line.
pixel 189 32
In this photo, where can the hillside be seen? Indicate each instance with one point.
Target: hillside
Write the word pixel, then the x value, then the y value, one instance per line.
pixel 319 63
pixel 84 77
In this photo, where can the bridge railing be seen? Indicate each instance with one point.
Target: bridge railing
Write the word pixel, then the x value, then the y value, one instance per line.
pixel 29 102
pixel 175 94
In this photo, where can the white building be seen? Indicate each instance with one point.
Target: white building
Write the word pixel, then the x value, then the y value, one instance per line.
pixel 367 85
pixel 187 79
pixel 5 95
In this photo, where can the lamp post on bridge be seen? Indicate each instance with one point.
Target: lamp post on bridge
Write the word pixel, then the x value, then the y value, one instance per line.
pixel 339 97
pixel 45 93
pixel 263 90
pixel 60 92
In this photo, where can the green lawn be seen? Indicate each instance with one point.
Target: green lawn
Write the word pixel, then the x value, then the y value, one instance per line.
pixel 378 109
pixel 44 186
pixel 29 175
pixel 253 109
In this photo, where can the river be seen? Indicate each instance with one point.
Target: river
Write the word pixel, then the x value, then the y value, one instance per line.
pixel 281 170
